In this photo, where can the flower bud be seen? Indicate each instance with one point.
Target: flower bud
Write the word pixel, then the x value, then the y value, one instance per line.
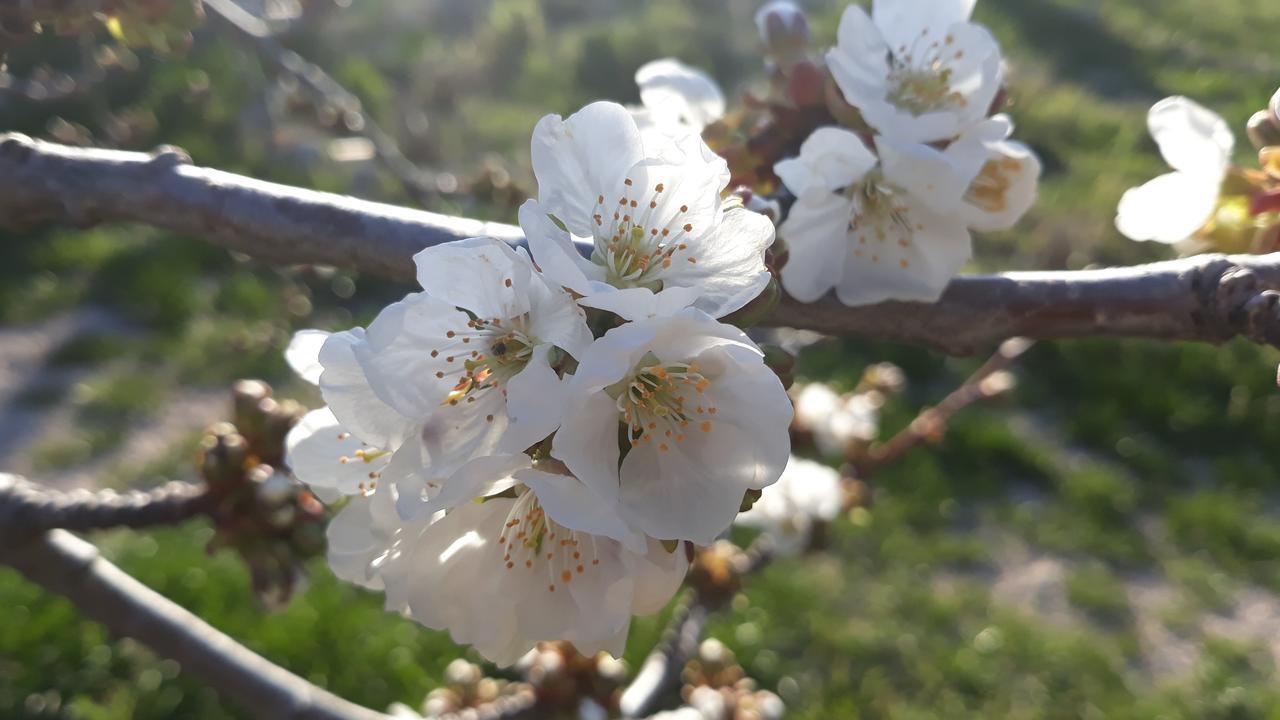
pixel 784 29
pixel 245 396
pixel 1263 129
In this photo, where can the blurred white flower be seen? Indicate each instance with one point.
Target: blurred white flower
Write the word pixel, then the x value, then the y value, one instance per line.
pixel 650 207
pixel 703 418
pixel 678 99
pixel 917 71
pixel 1197 144
pixel 874 228
pixel 439 386
pixel 836 422
pixel 806 492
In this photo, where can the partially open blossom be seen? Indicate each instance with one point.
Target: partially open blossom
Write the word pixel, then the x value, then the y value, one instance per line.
pixel 439 386
pixel 784 29
pixel 678 99
pixel 1009 176
pixel 917 71
pixel 651 208
pixel 1197 144
pixel 701 418
pixel 807 492
pixel 886 227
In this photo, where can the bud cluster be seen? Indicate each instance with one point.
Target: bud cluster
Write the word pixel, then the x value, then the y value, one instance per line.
pixel 272 522
pixel 718 687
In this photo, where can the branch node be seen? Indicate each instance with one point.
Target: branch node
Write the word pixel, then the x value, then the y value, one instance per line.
pixel 167 157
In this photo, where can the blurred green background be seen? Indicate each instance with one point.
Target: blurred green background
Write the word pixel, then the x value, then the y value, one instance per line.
pixel 1104 543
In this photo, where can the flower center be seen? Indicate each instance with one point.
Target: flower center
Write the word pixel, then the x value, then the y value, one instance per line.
pixel 635 243
pixel 880 220
pixel 502 351
pixel 920 76
pixel 538 544
pixel 663 401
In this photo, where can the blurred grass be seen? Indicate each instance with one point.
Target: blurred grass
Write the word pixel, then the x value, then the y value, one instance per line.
pixel 1124 460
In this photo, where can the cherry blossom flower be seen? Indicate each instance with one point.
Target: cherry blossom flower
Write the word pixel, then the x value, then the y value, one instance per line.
pixel 1197 144
pixel 873 228
pixel 807 492
pixel 650 208
pixel 507 572
pixel 1007 180
pixel 917 71
pixel 677 99
pixel 438 386
pixel 702 418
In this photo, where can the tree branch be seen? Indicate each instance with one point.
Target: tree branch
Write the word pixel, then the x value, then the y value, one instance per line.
pixel 1206 298
pixel 64 564
pixel 931 422
pixel 26 507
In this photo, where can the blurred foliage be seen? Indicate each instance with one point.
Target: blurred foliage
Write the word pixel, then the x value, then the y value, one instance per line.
pixel 1125 462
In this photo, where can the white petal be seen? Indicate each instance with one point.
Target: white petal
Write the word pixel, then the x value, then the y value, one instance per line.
pixel 1191 137
pixel 587 442
pixel 351 397
pixel 692 178
pixel 575 506
pixel 303 354
pixel 831 158
pixel 535 403
pixel 576 159
pixel 860 60
pixel 926 173
pixel 816 235
pixel 322 454
pixel 902 22
pixel 481 275
pixel 555 318
pixel 679 97
pixel 641 303
pixel 658 575
pixel 730 270
pixel 879 270
pixel 1169 208
pixel 353 544
pixel 554 251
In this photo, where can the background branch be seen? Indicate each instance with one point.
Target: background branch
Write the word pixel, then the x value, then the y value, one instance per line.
pixel 64 564
pixel 1206 298
pixel 26 507
pixel 323 91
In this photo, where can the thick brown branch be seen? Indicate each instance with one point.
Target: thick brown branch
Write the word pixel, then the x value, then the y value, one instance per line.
pixel 26 507
pixel 1208 298
pixel 62 563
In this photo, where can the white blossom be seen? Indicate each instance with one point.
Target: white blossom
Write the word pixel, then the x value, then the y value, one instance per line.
pixel 438 386
pixel 651 210
pixel 836 422
pixel 917 70
pixel 703 419
pixel 677 99
pixel 1007 180
pixel 1197 144
pixel 505 573
pixel 874 228
pixel 806 492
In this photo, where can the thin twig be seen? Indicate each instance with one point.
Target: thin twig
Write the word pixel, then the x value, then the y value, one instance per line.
pixel 26 507
pixel 324 91
pixel 660 673
pixel 1206 298
pixel 64 564
pixel 932 421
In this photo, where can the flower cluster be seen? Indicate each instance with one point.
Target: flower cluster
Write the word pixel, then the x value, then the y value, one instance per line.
pixel 527 441
pixel 885 199
pixel 1206 201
